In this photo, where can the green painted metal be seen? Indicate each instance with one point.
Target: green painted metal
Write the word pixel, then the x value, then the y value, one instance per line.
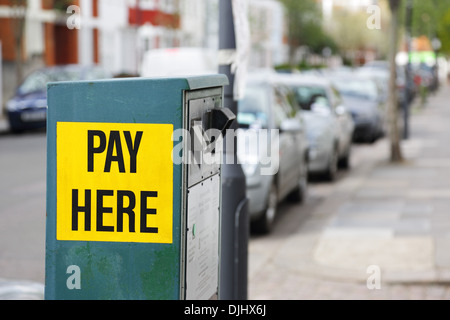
pixel 117 270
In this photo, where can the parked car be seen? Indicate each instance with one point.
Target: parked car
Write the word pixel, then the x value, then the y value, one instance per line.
pixel 381 78
pixel 406 88
pixel 329 124
pixel 366 103
pixel 28 108
pixel 179 61
pixel 425 76
pixel 273 171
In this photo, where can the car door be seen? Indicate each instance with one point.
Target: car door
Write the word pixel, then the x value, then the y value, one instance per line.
pixel 344 122
pixel 290 142
pixel 328 117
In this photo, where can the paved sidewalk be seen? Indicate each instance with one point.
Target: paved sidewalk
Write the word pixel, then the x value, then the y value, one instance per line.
pixel 384 224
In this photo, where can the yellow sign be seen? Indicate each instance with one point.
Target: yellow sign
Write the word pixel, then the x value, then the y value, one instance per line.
pixel 114 182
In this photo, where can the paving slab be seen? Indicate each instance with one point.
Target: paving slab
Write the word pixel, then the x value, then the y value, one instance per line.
pixel 394 217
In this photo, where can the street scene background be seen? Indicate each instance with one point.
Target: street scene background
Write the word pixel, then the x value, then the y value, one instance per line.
pixel 379 230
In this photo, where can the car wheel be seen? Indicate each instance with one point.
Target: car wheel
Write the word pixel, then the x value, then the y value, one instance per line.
pixel 264 224
pixel 14 129
pixel 372 138
pixel 344 162
pixel 299 193
pixel 332 169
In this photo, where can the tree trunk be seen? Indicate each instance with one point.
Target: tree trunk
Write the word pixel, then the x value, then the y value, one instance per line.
pixel 394 135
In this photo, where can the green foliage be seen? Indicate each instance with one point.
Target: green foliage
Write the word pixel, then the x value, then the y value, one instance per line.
pixel 62 4
pixel 443 31
pixel 432 19
pixel 424 18
pixel 350 31
pixel 320 40
pixel 304 21
pixel 443 25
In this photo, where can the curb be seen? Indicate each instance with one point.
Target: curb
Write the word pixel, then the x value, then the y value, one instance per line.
pixel 4 126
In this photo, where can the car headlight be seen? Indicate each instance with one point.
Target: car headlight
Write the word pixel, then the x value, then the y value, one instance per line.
pixel 41 103
pixel 12 105
pixel 312 153
pixel 249 163
pixel 249 168
pixel 15 105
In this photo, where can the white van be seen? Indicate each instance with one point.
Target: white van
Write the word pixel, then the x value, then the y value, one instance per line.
pixel 179 62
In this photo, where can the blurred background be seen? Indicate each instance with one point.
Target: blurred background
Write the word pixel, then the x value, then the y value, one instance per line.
pixel 117 34
pixel 334 55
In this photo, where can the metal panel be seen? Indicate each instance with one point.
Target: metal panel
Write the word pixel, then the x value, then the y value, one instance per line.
pixel 198 168
pixel 112 270
pixel 202 245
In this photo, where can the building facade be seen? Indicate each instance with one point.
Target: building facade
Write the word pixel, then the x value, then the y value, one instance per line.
pixel 116 33
pixel 112 33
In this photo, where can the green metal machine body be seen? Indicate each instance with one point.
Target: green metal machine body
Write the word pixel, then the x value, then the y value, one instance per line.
pixel 117 201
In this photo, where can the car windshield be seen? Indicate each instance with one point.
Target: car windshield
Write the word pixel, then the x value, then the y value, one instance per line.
pixel 306 95
pixel 356 87
pixel 253 108
pixel 37 81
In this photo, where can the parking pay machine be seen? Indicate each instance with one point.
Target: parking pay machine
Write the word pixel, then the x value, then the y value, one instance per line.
pixel 133 196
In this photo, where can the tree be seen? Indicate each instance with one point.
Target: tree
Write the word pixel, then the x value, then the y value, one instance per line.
pixel 442 24
pixel 304 21
pixel 443 31
pixel 394 135
pixel 431 18
pixel 354 31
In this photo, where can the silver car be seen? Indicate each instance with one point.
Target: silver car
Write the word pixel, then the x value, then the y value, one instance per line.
pixel 329 124
pixel 366 103
pixel 273 150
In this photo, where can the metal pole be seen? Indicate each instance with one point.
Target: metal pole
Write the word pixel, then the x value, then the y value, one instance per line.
pixel 409 88
pixel 394 134
pixel 1 83
pixel 234 225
